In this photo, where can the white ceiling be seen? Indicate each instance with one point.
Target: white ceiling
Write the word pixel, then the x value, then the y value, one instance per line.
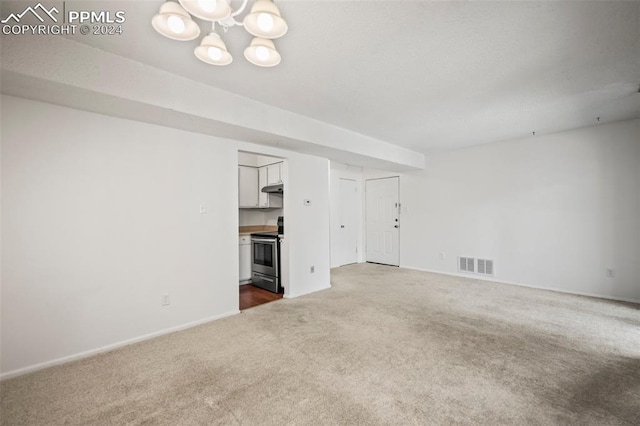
pixel 423 75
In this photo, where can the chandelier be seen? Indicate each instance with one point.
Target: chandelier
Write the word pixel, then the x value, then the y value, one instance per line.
pixel 263 22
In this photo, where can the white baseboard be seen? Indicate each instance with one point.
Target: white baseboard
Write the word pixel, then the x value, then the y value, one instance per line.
pixel 493 280
pixel 107 348
pixel 293 296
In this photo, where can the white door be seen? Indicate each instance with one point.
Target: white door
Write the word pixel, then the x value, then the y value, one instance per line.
pixel 348 222
pixel 383 221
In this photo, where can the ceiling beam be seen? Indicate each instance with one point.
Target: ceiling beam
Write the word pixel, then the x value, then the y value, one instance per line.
pixel 64 72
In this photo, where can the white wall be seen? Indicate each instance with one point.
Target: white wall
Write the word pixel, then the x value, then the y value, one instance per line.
pixel 307 226
pixel 553 211
pixel 344 171
pixel 101 216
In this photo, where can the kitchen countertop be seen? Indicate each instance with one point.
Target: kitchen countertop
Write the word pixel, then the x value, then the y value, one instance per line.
pixel 248 230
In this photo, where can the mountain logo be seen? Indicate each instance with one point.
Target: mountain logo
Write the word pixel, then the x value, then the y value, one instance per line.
pixel 34 11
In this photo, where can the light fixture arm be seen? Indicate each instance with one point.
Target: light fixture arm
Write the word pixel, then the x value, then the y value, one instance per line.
pixel 240 9
pixel 231 21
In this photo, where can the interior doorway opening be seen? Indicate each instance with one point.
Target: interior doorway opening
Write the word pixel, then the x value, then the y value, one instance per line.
pixel 263 259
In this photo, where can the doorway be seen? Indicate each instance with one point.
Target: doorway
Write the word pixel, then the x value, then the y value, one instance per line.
pixel 382 217
pixel 348 233
pixel 263 261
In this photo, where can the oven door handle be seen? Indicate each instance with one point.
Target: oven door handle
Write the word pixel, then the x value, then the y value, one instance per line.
pixel 262 240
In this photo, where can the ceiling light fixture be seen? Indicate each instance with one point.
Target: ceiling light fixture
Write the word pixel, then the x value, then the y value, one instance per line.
pixel 212 49
pixel 174 22
pixel 209 10
pixel 264 22
pixel 262 52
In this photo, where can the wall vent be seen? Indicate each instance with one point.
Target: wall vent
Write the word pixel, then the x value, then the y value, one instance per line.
pixel 485 266
pixel 466 264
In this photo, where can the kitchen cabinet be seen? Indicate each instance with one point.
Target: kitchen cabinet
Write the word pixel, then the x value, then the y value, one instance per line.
pixel 245 257
pixel 248 187
pixel 266 200
pixel 251 180
pixel 274 174
pixel 263 197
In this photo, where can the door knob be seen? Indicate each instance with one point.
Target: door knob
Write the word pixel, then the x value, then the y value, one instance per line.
pixel 341 226
pixel 396 226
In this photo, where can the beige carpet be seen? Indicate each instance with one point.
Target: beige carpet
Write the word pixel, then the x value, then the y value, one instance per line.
pixel 383 346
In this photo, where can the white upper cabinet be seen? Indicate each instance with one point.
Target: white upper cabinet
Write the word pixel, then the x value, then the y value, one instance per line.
pixel 263 197
pixel 248 187
pixel 274 174
pixel 251 180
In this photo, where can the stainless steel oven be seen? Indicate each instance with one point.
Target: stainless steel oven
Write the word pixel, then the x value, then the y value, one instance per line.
pixel 265 267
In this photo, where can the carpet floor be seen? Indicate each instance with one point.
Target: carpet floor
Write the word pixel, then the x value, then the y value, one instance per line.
pixel 382 346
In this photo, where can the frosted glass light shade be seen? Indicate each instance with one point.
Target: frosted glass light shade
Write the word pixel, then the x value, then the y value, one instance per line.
pixel 262 52
pixel 174 22
pixel 265 21
pixel 212 50
pixel 209 10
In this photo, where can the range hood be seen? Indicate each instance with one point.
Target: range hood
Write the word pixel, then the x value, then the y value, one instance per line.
pixel 273 189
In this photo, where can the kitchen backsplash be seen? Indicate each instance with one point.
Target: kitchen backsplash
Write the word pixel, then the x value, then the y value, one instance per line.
pixel 259 217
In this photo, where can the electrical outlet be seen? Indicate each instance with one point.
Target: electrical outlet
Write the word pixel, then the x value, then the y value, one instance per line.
pixel 203 209
pixel 313 269
pixel 443 255
pixel 165 300
pixel 611 272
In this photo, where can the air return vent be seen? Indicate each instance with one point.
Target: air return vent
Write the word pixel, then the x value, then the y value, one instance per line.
pixel 466 264
pixel 485 266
